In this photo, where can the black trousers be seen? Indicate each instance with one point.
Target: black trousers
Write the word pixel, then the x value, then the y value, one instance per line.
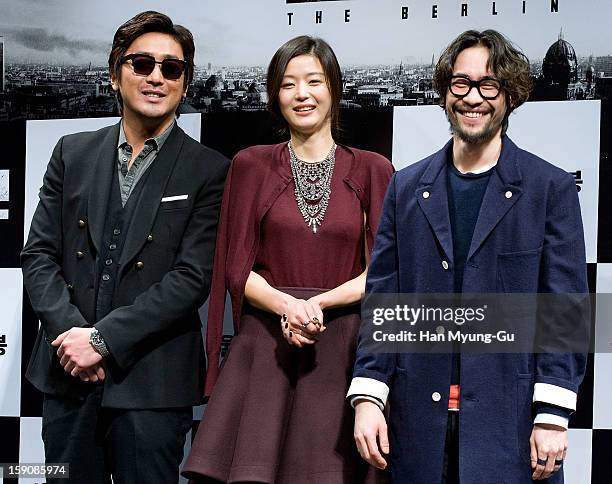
pixel 450 470
pixel 134 446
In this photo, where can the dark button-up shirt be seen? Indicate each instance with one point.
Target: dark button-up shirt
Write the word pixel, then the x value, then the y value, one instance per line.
pixel 130 175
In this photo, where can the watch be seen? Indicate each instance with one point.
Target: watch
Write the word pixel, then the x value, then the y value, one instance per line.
pixel 97 341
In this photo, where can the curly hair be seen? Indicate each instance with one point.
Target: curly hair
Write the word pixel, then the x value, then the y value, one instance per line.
pixel 506 61
pixel 142 23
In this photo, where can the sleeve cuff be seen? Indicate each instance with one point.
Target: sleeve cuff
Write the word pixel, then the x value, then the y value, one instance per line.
pixel 362 387
pixel 548 418
pixel 555 395
pixel 369 399
pixel 552 410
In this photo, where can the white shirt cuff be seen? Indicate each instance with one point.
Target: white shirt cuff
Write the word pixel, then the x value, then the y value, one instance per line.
pixel 361 386
pixel 549 418
pixel 555 395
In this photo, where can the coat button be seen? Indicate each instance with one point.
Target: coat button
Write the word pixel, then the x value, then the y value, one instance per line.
pixel 139 265
pixel 70 288
pixel 80 255
pixel 150 238
pixel 81 224
pixel 105 277
pixel 436 397
pixel 117 232
pixel 508 194
pixel 425 194
pixel 444 265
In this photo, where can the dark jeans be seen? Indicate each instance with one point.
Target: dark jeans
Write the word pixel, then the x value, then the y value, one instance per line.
pixel 134 446
pixel 450 471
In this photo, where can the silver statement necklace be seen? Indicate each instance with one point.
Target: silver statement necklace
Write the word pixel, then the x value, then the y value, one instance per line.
pixel 312 186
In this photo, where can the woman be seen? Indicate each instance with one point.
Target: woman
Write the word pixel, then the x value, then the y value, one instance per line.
pixel 297 221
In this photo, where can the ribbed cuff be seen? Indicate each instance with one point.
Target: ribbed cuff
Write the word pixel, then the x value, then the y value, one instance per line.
pixel 548 418
pixel 369 399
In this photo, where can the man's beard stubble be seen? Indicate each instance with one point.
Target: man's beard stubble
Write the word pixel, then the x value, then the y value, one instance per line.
pixel 486 134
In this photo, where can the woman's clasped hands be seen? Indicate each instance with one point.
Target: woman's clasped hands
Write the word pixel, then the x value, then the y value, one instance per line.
pixel 302 321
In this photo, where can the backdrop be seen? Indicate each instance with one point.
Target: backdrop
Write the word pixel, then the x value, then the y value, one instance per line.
pixel 53 69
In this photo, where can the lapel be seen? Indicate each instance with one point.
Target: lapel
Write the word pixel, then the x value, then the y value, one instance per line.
pixel 432 197
pixel 353 180
pixel 154 186
pixel 104 168
pixel 502 192
pixel 282 169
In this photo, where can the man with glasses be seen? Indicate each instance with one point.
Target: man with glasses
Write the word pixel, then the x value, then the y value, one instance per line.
pixel 479 216
pixel 117 262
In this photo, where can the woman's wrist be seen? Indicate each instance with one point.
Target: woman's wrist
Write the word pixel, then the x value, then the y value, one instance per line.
pixel 281 302
pixel 319 300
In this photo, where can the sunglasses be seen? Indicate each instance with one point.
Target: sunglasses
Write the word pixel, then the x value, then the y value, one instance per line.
pixel 143 65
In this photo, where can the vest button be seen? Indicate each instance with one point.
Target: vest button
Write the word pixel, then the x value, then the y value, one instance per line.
pixel 425 194
pixel 105 277
pixel 80 255
pixel 117 232
pixel 150 238
pixel 508 194
pixel 81 224
pixel 139 265
pixel 444 265
pixel 436 397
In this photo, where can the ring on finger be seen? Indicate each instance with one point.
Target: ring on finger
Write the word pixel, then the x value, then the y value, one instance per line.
pixel 305 324
pixel 541 462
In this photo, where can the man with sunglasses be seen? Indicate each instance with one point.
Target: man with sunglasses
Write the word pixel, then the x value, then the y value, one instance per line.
pixel 117 263
pixel 479 216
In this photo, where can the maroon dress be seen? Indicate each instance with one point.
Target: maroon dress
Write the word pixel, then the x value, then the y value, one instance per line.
pixel 278 413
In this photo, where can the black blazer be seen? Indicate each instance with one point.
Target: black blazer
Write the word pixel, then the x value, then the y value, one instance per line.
pixel 154 332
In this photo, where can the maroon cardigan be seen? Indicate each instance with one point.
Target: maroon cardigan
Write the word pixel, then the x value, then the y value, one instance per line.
pixel 257 176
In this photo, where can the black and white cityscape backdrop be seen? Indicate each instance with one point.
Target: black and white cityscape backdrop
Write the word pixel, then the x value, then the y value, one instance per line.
pixel 53 69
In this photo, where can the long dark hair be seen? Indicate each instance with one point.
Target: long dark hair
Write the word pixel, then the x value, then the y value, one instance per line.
pixel 295 47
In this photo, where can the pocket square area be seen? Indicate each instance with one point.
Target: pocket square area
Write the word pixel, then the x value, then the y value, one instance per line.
pixel 174 198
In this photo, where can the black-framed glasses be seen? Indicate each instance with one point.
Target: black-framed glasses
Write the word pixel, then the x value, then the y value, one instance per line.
pixel 488 87
pixel 143 65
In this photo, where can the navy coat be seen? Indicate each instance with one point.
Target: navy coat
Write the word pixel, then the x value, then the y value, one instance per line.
pixel 528 238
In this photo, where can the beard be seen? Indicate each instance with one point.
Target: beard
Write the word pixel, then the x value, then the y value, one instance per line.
pixel 484 135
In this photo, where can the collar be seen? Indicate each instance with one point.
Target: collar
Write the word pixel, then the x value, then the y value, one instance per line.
pixel 157 141
pixel 507 166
